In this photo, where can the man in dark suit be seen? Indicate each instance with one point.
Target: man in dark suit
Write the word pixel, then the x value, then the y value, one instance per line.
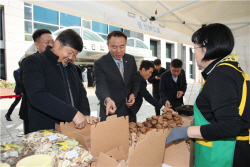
pixel 117 83
pixel 155 80
pixel 146 70
pixel 42 38
pixel 173 85
pixel 78 69
pixel 17 91
pixel 54 91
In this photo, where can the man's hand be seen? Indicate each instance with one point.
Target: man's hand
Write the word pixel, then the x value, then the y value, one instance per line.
pixel 156 77
pixel 131 100
pixel 179 94
pixel 110 106
pixel 167 104
pixel 165 109
pixel 79 120
pixel 91 119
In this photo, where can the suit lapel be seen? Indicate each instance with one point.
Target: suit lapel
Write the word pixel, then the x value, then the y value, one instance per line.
pixel 113 65
pixel 180 77
pixel 171 79
pixel 126 67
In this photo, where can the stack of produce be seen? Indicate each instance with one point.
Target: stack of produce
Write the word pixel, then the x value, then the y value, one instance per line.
pixel 163 121
pixel 65 152
pixel 12 152
pixel 137 128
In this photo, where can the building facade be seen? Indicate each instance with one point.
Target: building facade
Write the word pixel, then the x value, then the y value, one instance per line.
pixel 20 19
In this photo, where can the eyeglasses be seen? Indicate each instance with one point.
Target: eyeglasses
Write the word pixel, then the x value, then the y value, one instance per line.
pixel 47 42
pixel 176 71
pixel 195 48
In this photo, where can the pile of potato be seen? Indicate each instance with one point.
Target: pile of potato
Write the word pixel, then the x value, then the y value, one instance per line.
pixel 164 120
pixel 137 128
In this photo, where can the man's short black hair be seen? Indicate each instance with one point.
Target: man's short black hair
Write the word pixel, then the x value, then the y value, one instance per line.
pixel 157 62
pixel 37 34
pixel 116 34
pixel 146 65
pixel 70 38
pixel 176 63
pixel 216 38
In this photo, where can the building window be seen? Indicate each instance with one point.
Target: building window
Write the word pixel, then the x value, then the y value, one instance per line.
pixel 86 24
pixel 191 54
pixel 153 47
pixel 133 34
pixel 45 15
pixel 2 64
pixel 140 44
pixel 105 37
pixel 27 13
pixel 90 36
pixel 131 42
pixel 114 28
pixel 168 65
pixel 191 71
pixel 168 51
pixel 126 32
pixel 45 26
pixel 99 27
pixel 28 27
pixel 27 4
pixel 69 20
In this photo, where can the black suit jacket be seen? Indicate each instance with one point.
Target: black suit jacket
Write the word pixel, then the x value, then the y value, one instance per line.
pixel 156 82
pixel 166 86
pixel 79 72
pixel 47 91
pixel 109 83
pixel 18 89
pixel 143 92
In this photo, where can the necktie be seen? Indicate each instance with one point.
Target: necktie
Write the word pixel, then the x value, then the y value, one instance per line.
pixel 120 67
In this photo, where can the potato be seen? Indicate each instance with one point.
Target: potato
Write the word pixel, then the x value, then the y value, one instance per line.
pixel 149 125
pixel 176 118
pixel 133 130
pixel 160 117
pixel 154 117
pixel 158 126
pixel 143 130
pixel 132 125
pixel 139 132
pixel 165 116
pixel 154 122
pixel 169 117
pixel 139 124
pixel 160 122
pixel 166 125
pixel 149 119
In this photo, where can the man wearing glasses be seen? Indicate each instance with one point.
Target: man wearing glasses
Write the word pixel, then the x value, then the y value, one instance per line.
pixel 173 85
pixel 42 38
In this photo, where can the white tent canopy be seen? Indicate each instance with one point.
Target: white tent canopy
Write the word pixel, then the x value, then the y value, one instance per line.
pixel 175 20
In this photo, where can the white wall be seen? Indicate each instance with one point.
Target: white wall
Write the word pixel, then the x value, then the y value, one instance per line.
pixel 14 35
pixel 242 47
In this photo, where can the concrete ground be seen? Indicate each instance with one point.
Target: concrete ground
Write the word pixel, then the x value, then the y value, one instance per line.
pixel 10 130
